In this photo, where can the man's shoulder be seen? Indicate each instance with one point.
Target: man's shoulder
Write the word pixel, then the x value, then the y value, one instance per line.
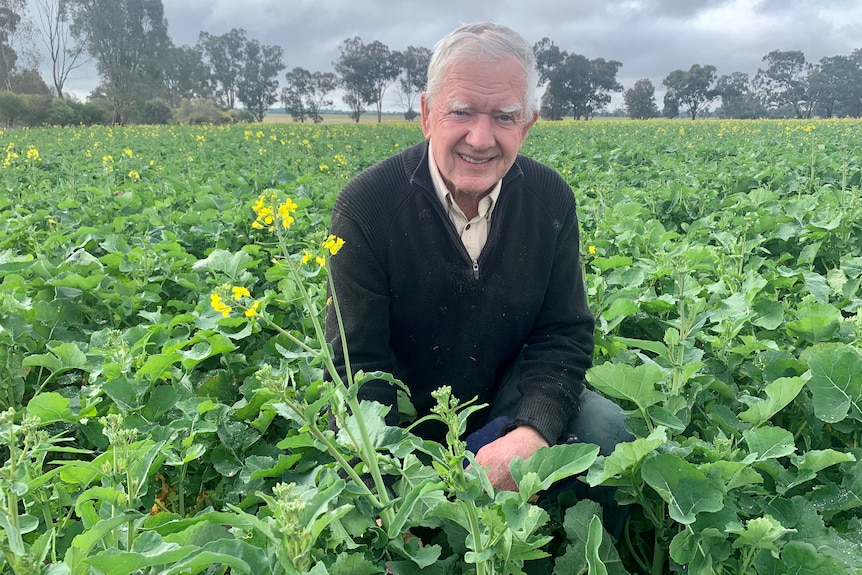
pixel 544 183
pixel 391 174
pixel 379 191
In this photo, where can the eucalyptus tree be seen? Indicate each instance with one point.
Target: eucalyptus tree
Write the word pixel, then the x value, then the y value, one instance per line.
pixel 574 84
pixel 65 52
pixel 640 100
pixel 305 93
pixel 128 39
pixel 365 72
pixel 223 54
pixel 694 88
pixel 15 32
pixel 258 79
pixel 413 63
pixel 784 83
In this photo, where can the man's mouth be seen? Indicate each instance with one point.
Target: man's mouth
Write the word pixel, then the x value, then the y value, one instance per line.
pixel 472 160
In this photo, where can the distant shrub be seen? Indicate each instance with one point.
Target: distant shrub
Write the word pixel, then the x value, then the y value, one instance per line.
pixel 201 111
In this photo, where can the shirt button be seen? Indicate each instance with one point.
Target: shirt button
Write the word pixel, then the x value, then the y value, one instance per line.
pixel 468 227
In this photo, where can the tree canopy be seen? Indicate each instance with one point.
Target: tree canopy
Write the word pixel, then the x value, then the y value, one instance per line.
pixel 366 71
pixel 141 69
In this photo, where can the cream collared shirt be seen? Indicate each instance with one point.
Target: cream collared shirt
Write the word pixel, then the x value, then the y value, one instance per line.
pixel 474 233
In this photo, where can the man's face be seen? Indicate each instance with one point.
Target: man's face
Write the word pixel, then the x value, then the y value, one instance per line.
pixel 477 123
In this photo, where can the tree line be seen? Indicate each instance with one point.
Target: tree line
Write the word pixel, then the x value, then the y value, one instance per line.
pixel 146 78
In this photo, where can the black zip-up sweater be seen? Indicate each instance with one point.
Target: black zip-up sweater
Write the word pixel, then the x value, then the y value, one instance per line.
pixel 415 305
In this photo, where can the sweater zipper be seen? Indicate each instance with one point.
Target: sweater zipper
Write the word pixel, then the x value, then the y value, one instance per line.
pixel 476 270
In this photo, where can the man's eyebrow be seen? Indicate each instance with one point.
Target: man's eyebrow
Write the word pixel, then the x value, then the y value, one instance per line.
pixel 514 109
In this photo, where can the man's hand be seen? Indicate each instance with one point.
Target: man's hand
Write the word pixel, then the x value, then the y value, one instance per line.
pixel 522 442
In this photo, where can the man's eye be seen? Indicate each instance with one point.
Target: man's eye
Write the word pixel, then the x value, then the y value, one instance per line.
pixel 505 118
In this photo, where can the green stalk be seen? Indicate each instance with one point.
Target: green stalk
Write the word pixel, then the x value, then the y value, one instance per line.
pixel 368 451
pixel 333 450
pixel 181 492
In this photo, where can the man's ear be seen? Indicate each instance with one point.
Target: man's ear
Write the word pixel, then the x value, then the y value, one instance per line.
pixel 527 126
pixel 423 108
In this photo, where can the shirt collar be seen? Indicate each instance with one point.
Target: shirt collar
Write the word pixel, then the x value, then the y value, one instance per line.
pixel 445 196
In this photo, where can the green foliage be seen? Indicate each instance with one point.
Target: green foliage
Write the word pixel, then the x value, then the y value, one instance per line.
pixel 145 430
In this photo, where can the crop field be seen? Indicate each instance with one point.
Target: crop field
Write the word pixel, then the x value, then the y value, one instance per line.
pixel 164 405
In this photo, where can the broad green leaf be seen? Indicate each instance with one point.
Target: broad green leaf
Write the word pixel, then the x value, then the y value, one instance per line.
pixel 836 382
pixel 225 262
pixel 815 323
pixel 595 566
pixel 622 381
pixel 555 463
pixel 768 314
pixel 759 533
pixel 801 558
pixel 779 394
pixel 406 506
pixel 156 366
pixel 769 442
pixel 578 523
pixel 682 486
pixel 51 407
pixel 78 282
pixel 604 264
pixel 619 465
pixel 149 551
pixel 817 285
pixel 355 564
pixel 63 356
pixel 818 460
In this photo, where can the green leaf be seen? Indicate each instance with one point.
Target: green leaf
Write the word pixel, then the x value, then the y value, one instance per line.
pixel 406 506
pixel 819 460
pixel 816 323
pixel 618 467
pixel 759 533
pixel 779 394
pixel 595 566
pixel 553 464
pixel 63 356
pixel 225 262
pixel 355 564
pixel 769 442
pixel 802 558
pixel 682 486
pixel 622 381
pixel 585 542
pixel 836 382
pixel 157 366
pixel 51 407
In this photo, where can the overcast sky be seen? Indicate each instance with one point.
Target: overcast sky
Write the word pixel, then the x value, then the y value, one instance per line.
pixel 650 37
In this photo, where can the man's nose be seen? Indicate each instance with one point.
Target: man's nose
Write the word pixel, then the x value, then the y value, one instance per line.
pixel 481 132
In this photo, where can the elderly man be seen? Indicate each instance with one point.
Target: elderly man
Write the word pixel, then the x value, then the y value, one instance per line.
pixel 461 260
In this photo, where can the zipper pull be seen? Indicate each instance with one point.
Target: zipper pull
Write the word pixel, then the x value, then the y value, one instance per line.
pixel 475 269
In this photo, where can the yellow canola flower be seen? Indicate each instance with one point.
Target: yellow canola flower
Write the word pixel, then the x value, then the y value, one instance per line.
pixel 285 211
pixel 252 311
pixel 321 261
pixel 32 154
pixel 333 244
pixel 306 257
pixel 218 305
pixel 134 175
pixel 592 250
pixel 240 292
